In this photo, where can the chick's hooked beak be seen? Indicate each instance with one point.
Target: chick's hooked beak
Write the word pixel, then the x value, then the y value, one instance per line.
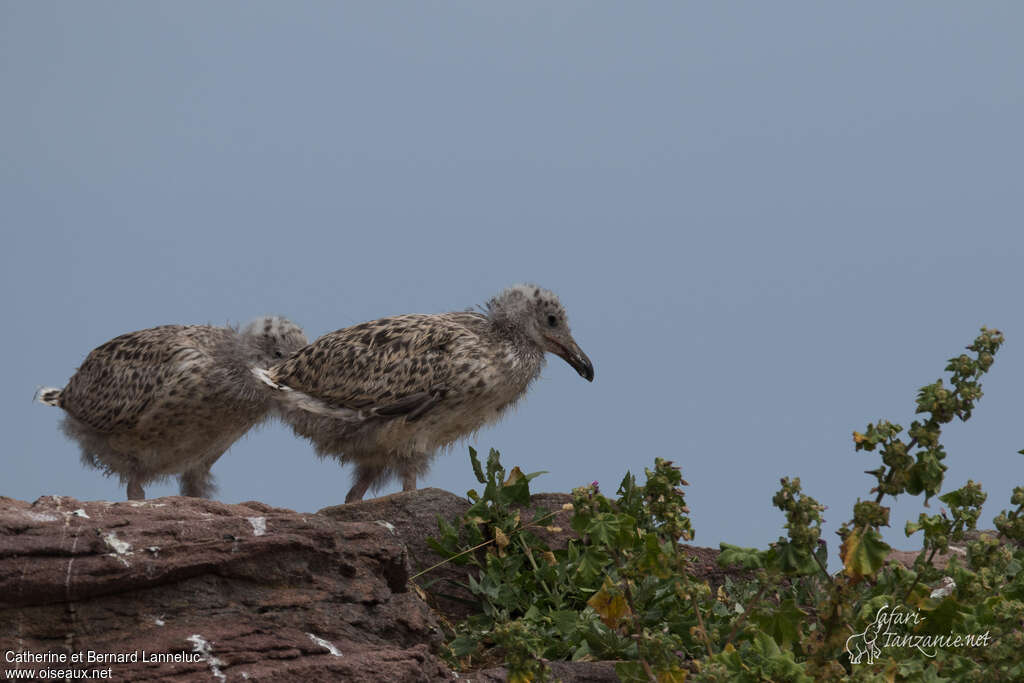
pixel 571 353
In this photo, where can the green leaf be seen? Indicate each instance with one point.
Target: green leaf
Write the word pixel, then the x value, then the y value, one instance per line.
pixel 947 617
pixel 653 560
pixel 495 472
pixel 477 470
pixel 591 565
pixel 463 646
pixel 794 560
pixel 605 529
pixel 781 623
pixel 631 672
pixel 564 621
pixel 747 558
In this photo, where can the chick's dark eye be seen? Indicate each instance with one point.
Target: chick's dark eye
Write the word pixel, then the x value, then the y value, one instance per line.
pixel 552 321
pixel 278 354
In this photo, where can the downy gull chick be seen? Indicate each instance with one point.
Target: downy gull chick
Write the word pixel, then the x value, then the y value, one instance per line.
pixel 171 400
pixel 385 395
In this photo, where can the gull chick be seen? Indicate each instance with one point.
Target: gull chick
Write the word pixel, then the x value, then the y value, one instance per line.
pixel 171 400
pixel 385 395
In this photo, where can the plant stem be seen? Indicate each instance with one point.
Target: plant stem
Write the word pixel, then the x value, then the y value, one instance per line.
pixel 647 669
pixel 918 577
pixel 746 613
pixel 446 561
pixel 481 545
pixel 700 622
pixel 533 563
pixel 821 564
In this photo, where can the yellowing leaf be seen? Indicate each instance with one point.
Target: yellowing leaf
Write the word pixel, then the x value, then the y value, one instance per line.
pixel 500 539
pixel 610 606
pixel 515 475
pixel 673 675
pixel 847 553
pixel 549 557
pixel 859 438
pixel 863 554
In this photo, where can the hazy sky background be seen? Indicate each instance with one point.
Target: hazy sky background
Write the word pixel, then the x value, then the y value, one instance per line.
pixel 770 223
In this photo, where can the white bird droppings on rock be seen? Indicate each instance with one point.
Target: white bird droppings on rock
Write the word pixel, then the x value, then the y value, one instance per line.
pixel 259 525
pixel 326 644
pixel 202 647
pixel 387 525
pixel 121 548
pixel 41 516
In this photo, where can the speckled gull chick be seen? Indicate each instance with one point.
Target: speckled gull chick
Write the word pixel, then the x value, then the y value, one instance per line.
pixel 385 395
pixel 171 400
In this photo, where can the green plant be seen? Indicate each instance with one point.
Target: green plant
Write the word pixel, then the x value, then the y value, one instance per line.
pixel 622 587
pixel 619 591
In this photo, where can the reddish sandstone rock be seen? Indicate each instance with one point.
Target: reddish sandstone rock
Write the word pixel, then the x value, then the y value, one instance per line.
pixel 249 591
pixel 958 550
pixel 246 592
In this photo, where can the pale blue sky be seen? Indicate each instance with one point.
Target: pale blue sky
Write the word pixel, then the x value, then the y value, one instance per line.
pixel 770 223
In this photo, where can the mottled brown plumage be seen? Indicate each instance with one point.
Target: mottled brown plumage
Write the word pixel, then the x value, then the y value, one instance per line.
pixel 171 400
pixel 386 394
